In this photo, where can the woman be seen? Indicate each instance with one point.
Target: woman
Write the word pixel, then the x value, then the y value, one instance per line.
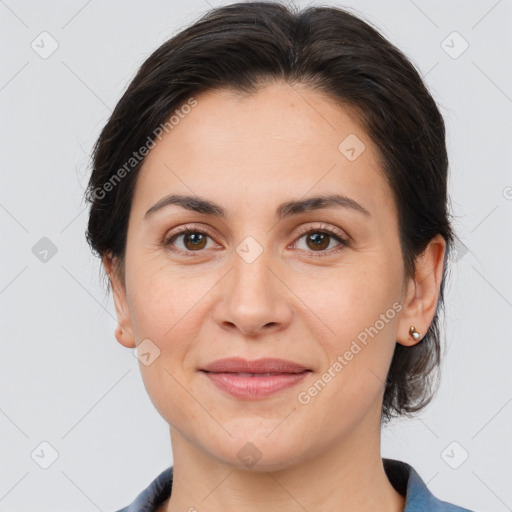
pixel 269 202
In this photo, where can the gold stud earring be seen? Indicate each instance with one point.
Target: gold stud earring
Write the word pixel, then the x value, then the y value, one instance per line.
pixel 414 333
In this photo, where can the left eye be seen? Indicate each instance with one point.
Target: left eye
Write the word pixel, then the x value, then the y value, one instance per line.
pixel 193 240
pixel 320 241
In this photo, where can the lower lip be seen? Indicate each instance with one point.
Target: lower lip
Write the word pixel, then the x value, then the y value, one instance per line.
pixel 254 387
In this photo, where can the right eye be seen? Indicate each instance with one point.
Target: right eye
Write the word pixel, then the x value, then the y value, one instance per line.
pixel 192 239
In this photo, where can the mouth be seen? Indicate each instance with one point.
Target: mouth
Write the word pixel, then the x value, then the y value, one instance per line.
pixel 254 379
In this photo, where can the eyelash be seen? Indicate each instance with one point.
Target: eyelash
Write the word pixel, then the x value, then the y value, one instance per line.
pixel 302 232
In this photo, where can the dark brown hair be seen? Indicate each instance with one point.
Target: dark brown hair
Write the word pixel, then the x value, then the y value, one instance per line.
pixel 243 47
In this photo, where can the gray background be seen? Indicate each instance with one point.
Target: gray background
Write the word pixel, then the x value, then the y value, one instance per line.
pixel 65 380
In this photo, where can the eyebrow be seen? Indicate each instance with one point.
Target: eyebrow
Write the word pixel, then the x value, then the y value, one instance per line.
pixel 286 209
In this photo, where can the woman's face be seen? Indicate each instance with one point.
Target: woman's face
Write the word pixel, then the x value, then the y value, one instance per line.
pixel 252 284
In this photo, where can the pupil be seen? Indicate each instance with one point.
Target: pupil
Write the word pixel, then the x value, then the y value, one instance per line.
pixel 317 236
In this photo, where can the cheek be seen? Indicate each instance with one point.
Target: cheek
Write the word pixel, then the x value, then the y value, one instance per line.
pixel 162 299
pixel 361 308
pixel 163 313
pixel 353 380
pixel 168 307
pixel 351 299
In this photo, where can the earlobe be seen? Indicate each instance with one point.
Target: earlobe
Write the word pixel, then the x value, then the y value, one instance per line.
pixel 414 333
pixel 422 295
pixel 124 338
pixel 124 331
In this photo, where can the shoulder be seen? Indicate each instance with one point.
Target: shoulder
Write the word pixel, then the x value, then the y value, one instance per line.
pixel 153 495
pixel 418 498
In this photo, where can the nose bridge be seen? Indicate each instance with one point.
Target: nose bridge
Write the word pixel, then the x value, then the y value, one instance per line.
pixel 251 273
pixel 252 297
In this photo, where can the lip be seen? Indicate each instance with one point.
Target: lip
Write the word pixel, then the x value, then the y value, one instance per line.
pixel 270 375
pixel 264 365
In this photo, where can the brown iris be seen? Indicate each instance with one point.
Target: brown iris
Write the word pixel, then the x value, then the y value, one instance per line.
pixel 197 240
pixel 320 240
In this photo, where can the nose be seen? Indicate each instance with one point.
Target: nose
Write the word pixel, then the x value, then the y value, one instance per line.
pixel 253 299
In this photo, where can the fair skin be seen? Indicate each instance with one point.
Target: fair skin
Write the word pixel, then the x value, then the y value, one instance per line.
pixel 249 155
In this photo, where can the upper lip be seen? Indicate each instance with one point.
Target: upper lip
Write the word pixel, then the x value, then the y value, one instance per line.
pixel 265 365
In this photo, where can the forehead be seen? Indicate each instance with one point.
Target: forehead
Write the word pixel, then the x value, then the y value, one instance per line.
pixel 280 142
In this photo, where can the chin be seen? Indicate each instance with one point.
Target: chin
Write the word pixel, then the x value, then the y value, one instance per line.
pixel 258 452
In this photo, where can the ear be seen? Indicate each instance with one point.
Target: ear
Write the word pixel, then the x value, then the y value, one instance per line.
pixel 124 330
pixel 422 292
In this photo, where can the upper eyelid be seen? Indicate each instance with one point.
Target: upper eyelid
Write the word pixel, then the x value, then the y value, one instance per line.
pixel 303 230
pixel 188 228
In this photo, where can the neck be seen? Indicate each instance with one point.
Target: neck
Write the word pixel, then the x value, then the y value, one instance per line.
pixel 348 476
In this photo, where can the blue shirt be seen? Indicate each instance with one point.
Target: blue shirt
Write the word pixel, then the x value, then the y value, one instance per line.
pixel 402 476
